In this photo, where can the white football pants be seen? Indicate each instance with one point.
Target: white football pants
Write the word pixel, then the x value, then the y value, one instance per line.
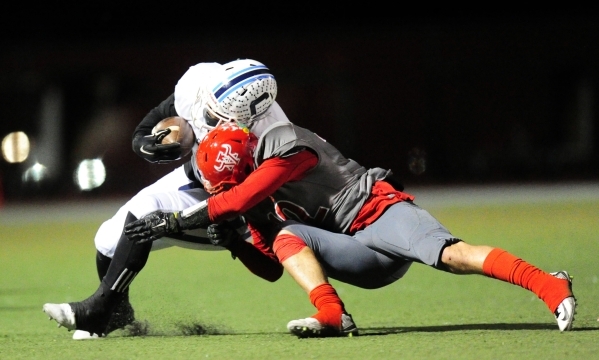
pixel 164 195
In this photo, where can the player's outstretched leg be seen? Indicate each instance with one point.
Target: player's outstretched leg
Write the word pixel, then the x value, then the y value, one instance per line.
pixel 555 289
pixel 93 314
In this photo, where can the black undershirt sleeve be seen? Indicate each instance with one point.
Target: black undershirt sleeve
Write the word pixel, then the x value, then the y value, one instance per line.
pixel 163 110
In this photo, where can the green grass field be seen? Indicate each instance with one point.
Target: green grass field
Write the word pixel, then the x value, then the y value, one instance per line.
pixel 426 315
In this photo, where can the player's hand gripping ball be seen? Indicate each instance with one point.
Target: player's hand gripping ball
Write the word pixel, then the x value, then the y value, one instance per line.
pixel 181 132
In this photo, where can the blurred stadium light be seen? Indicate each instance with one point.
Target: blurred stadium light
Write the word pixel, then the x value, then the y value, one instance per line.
pixel 35 173
pixel 90 174
pixel 15 147
pixel 438 102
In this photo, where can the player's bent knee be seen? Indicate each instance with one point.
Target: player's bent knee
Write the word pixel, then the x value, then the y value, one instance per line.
pixel 107 237
pixel 286 244
pixel 453 257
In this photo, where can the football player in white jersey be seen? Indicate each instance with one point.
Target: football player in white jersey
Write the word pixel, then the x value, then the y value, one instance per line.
pixel 207 93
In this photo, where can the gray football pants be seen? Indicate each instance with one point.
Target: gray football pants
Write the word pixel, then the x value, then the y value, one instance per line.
pixel 381 253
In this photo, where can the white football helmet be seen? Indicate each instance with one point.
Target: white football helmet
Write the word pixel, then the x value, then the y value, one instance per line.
pixel 240 90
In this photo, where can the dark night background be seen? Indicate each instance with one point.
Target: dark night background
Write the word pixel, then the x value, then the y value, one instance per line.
pixel 480 98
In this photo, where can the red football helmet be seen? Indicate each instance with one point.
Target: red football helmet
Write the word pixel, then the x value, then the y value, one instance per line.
pixel 225 157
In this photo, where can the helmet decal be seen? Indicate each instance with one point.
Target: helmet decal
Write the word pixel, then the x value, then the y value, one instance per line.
pixel 226 159
pixel 225 156
pixel 258 101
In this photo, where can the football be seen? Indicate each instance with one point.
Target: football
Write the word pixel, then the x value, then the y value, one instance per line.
pixel 181 132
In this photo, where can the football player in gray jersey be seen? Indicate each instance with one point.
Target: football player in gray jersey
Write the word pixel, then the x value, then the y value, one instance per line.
pixel 331 217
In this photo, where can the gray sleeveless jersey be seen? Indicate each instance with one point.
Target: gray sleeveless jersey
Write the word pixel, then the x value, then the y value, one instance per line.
pixel 330 195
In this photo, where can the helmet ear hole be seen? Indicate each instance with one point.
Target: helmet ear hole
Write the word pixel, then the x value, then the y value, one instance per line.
pixel 247 170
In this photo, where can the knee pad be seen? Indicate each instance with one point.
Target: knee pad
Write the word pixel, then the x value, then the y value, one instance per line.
pixel 287 245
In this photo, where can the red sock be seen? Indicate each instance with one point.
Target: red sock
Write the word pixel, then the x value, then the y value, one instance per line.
pixel 329 305
pixel 504 266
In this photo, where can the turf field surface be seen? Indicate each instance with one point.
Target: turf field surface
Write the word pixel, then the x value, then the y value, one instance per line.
pixel 194 304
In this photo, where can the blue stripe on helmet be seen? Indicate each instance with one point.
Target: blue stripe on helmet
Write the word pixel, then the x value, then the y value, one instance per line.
pixel 228 91
pixel 249 68
pixel 237 78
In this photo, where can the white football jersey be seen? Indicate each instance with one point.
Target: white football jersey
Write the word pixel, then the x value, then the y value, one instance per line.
pixel 188 90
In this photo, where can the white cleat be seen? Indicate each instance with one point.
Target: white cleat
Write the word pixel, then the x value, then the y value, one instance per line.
pixel 310 327
pixel 84 335
pixel 62 313
pixel 564 314
pixel 307 323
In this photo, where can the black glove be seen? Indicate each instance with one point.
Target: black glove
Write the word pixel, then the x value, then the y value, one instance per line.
pixel 152 227
pixel 222 235
pixel 150 148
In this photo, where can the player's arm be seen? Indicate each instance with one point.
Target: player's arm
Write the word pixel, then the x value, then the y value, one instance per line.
pixel 259 259
pixel 260 184
pixel 157 224
pixel 165 109
pixel 147 145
